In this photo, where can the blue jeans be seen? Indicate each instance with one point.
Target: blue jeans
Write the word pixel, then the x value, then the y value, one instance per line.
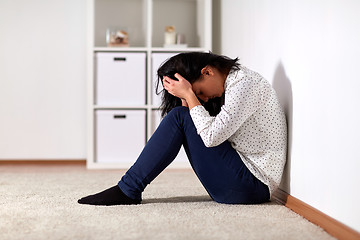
pixel 220 169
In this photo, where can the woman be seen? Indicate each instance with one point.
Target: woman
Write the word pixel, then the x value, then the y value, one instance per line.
pixel 230 123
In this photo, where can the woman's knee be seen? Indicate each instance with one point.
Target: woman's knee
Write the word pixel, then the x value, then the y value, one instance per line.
pixel 179 110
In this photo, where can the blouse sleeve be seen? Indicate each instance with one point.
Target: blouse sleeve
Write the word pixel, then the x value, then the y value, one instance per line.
pixel 242 99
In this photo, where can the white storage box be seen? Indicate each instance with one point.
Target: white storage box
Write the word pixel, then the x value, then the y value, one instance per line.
pixel 157 60
pixel 120 79
pixel 120 135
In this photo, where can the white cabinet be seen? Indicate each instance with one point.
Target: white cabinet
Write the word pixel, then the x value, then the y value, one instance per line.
pixel 121 79
pixel 120 135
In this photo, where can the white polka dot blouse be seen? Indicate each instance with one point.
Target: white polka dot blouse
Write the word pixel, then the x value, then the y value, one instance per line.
pixel 253 121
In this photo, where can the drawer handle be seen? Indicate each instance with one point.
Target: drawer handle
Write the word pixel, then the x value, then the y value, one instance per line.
pixel 119 59
pixel 119 116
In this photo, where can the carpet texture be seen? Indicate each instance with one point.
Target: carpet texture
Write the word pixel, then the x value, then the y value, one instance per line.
pixel 41 203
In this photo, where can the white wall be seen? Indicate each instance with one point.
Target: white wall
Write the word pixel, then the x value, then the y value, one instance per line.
pixel 42 79
pixel 309 50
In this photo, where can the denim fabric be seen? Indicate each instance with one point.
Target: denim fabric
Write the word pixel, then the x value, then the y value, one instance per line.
pixel 220 169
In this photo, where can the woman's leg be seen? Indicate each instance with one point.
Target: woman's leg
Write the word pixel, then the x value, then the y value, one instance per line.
pixel 158 153
pixel 220 168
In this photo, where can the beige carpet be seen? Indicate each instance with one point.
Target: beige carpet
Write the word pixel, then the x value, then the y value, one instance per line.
pixel 41 203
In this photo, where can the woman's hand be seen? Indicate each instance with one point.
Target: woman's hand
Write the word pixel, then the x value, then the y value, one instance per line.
pixel 181 88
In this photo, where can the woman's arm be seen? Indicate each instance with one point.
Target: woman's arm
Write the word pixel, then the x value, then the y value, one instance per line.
pixel 243 97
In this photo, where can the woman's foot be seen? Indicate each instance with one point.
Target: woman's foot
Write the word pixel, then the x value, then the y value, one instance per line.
pixel 108 197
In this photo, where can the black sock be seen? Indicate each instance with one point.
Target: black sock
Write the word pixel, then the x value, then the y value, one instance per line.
pixel 111 196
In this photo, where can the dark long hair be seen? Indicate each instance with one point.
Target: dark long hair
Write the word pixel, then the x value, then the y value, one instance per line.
pixel 189 66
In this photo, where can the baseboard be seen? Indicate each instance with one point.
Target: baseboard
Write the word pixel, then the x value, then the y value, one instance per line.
pixel 329 224
pixel 43 161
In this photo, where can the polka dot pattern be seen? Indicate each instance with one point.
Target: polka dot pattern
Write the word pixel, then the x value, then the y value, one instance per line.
pixel 253 121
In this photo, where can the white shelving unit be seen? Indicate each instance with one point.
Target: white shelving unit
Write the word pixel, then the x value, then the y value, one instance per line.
pixel 145 21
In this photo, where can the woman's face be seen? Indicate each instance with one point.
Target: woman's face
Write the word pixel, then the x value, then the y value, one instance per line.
pixel 210 85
